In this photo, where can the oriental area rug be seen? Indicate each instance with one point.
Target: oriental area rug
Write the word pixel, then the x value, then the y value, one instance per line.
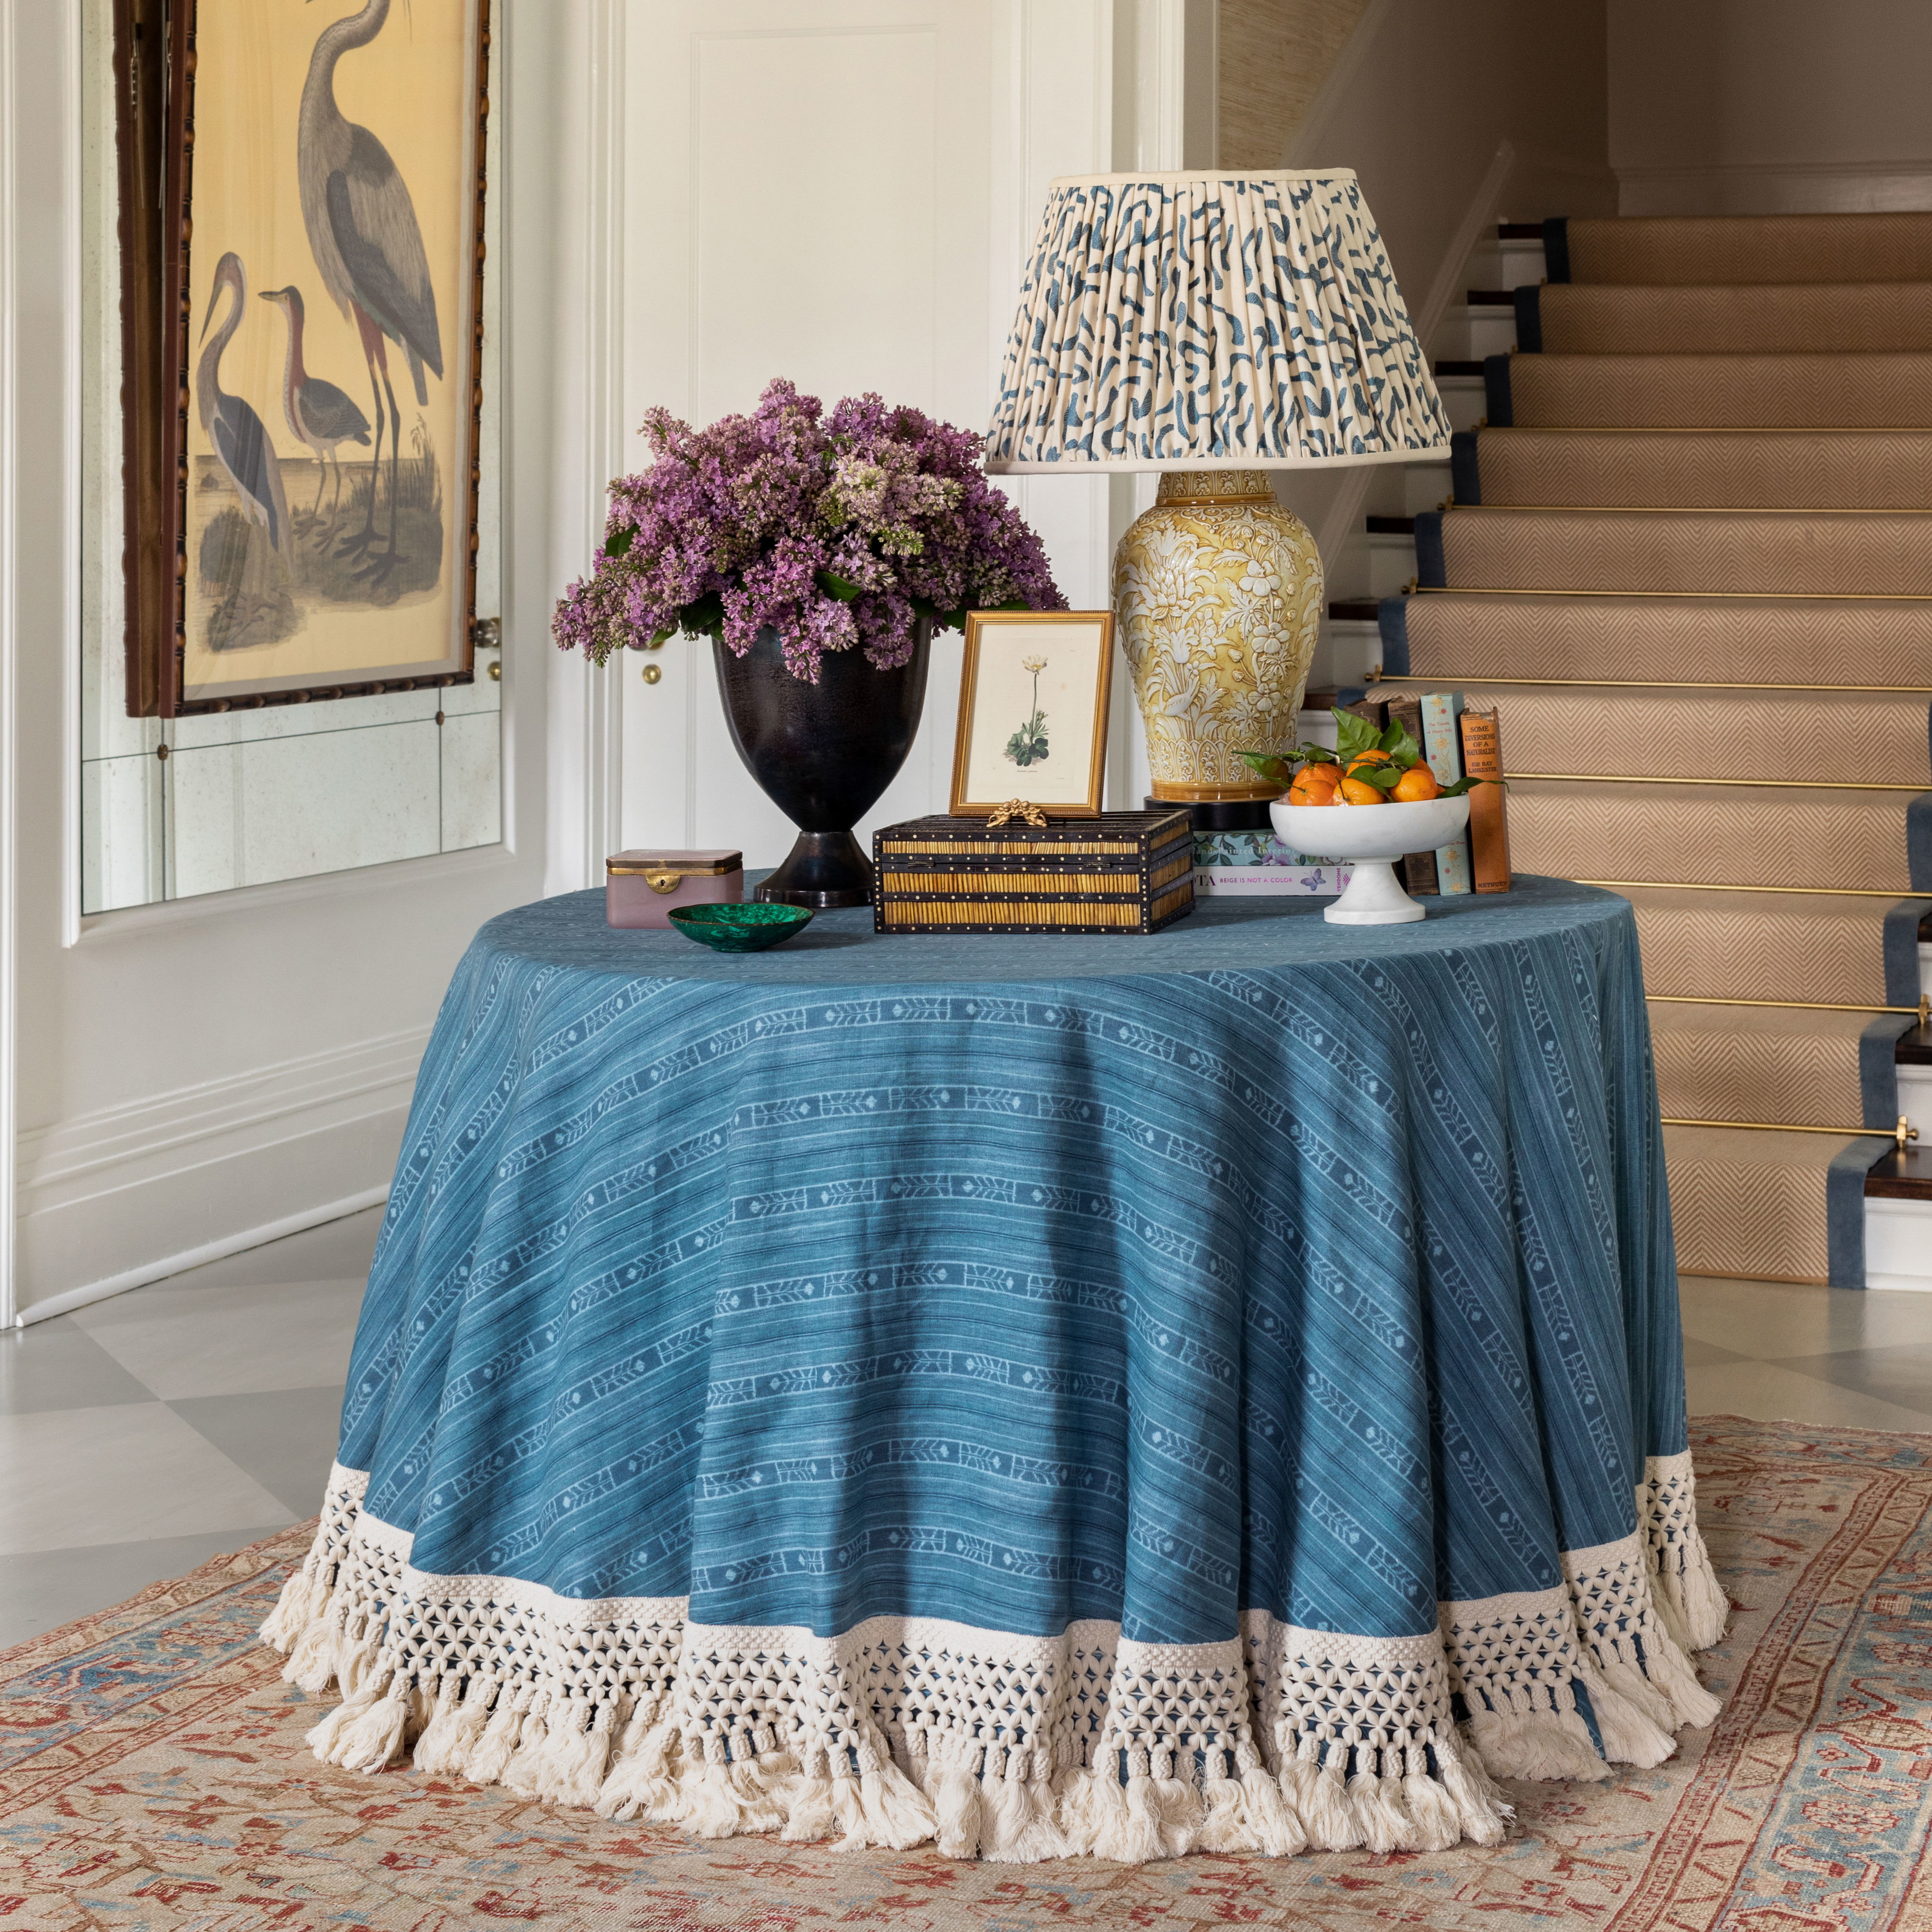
pixel 154 1774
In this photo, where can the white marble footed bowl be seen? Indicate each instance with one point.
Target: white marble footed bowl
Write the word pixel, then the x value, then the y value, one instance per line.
pixel 1368 837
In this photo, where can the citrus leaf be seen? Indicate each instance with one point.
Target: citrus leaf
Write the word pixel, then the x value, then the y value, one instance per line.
pixel 1353 735
pixel 1268 765
pixel 1400 746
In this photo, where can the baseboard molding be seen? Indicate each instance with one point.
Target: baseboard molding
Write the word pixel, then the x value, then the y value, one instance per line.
pixel 1773 187
pixel 115 1199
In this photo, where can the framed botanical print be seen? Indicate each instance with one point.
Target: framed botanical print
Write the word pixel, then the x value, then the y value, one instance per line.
pixel 301 201
pixel 1033 712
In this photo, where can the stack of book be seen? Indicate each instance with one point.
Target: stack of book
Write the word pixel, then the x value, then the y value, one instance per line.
pixel 1455 740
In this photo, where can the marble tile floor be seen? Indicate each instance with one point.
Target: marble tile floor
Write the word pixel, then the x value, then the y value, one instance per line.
pixel 145 1434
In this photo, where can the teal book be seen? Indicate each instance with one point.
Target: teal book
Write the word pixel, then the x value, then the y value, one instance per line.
pixel 1442 746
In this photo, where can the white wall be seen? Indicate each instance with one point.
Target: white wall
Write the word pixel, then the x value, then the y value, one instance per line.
pixel 1770 106
pixel 1455 117
pixel 180 1080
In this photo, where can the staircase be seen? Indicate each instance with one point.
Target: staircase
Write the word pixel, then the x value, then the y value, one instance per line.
pixel 1687 550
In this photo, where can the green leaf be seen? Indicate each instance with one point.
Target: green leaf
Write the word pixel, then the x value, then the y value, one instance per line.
pixel 619 542
pixel 1354 736
pixel 1384 778
pixel 1268 765
pixel 703 616
pixel 1400 746
pixel 833 585
pixel 1462 785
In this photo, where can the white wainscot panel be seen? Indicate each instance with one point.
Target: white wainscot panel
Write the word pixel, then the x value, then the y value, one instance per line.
pixel 247 814
pixel 472 790
pixel 854 286
pixel 122 845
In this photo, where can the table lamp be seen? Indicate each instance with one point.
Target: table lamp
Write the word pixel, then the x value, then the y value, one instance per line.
pixel 1212 327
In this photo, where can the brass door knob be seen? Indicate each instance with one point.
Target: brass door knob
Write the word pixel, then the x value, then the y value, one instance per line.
pixel 652 673
pixel 495 671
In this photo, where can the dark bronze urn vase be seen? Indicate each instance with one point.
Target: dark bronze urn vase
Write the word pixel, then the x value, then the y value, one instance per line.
pixel 822 753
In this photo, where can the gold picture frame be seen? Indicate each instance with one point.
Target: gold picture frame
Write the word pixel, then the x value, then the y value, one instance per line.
pixel 1008 653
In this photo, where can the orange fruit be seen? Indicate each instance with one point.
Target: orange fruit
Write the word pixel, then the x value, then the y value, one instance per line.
pixel 1415 784
pixel 1359 791
pixel 1302 793
pixel 1327 774
pixel 1367 758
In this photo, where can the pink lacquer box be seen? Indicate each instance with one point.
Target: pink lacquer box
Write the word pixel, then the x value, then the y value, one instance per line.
pixel 641 889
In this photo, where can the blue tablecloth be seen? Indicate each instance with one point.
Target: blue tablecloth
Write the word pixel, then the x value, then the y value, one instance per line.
pixel 1107 1394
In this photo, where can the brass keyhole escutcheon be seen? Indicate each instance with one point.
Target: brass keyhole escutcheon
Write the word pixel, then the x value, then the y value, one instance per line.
pixel 652 673
pixel 662 882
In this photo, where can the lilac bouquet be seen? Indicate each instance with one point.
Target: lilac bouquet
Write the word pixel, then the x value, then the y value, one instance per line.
pixel 832 532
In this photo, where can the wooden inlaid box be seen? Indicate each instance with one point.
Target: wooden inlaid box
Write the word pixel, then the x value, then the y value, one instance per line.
pixel 1124 871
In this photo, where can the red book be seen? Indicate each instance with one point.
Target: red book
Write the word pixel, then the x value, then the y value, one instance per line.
pixel 1488 827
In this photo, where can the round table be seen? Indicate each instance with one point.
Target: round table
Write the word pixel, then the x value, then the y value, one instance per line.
pixel 1111 1394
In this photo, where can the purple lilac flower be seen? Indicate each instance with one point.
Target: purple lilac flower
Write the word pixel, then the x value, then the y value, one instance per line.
pixel 834 532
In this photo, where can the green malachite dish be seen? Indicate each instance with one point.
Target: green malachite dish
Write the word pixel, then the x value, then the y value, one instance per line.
pixel 749 928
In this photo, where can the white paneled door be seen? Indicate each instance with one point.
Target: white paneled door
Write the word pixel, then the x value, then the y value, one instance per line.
pixel 839 192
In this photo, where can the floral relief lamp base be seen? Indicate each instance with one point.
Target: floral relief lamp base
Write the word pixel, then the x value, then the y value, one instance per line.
pixel 1217 596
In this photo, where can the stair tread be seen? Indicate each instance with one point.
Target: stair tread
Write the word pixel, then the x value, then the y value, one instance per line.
pixel 1381 526
pixel 1355 609
pixel 1448 367
pixel 1906 1176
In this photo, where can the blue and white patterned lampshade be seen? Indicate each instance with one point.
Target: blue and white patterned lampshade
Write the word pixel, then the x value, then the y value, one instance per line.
pixel 1206 322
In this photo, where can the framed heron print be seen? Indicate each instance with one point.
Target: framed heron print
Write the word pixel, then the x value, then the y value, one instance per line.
pixel 302 202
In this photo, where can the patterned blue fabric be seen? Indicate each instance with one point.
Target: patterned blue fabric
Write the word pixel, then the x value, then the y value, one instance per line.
pixel 1263 1263
pixel 1165 320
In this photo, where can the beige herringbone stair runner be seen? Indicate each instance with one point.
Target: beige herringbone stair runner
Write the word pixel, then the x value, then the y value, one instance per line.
pixel 1698 585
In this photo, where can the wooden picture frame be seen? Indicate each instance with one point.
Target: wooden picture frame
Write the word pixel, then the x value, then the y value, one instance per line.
pixel 328 157
pixel 1008 653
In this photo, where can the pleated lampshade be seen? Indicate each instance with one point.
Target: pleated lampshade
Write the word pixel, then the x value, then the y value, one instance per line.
pixel 1201 322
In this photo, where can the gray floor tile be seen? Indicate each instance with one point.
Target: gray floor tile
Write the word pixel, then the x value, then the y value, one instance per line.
pixel 55 1364
pixel 1902 1374
pixel 45 1589
pixel 233 1340
pixel 337 1251
pixel 72 1477
pixel 285 1441
pixel 1772 1320
pixel 1771 1392
pixel 1702 1354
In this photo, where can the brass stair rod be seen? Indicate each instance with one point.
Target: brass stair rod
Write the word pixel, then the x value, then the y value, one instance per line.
pixel 1900 1134
pixel 1376 675
pixel 1804 892
pixel 1776 784
pixel 1923 1009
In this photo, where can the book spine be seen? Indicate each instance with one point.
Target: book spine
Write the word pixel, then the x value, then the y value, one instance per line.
pixel 1418 869
pixel 1489 825
pixel 1442 746
pixel 1269 881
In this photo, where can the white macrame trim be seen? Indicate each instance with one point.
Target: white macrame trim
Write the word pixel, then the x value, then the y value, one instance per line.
pixel 1018 1748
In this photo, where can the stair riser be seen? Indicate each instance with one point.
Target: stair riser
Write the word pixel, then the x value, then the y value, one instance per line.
pixel 1755 250
pixel 1788 470
pixel 1644 734
pixel 1749 947
pixel 1650 321
pixel 1737 1216
pixel 1745 641
pixel 1885 553
pixel 1710 1080
pixel 1719 392
pixel 1710 836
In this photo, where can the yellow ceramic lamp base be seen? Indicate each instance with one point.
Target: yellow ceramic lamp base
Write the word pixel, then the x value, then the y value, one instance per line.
pixel 1217 597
